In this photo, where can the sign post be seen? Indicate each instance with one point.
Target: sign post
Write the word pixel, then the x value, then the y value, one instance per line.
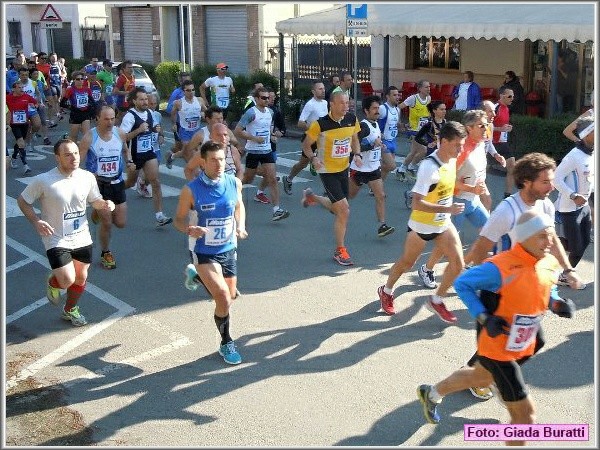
pixel 50 18
pixel 356 25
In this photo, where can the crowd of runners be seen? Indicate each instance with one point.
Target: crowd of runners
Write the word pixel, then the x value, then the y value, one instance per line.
pixel 527 244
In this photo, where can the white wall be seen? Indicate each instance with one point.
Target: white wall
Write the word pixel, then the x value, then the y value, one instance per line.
pixel 79 14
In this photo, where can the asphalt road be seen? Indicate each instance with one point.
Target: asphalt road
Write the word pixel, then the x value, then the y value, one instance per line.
pixel 323 366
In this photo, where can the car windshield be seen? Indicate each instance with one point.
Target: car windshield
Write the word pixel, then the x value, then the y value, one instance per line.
pixel 139 73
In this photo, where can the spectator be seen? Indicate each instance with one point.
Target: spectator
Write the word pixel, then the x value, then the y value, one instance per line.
pixel 467 93
pixel 512 82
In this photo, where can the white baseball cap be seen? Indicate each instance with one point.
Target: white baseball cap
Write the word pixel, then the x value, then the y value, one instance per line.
pixel 32 54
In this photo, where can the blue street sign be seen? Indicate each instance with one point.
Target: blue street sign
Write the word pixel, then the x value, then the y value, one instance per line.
pixel 356 11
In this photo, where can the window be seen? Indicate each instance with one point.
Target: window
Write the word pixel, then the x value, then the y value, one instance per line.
pixel 437 52
pixel 14 35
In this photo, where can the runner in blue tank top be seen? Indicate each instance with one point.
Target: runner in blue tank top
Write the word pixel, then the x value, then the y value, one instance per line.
pixel 217 199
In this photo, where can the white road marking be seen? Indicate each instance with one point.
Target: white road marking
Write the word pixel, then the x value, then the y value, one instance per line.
pixel 178 340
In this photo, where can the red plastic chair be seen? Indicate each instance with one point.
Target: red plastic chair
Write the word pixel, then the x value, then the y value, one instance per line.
pixel 489 94
pixel 446 89
pixel 436 92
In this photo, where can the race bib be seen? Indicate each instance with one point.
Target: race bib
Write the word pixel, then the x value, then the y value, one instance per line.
pixel 393 131
pixel 191 123
pixel 375 154
pixel 108 89
pixel 223 102
pixel 72 222
pixel 19 117
pixel 144 143
pixel 340 148
pixel 108 166
pixel 422 121
pixel 96 95
pixel 81 101
pixel 441 217
pixel 503 136
pixel 522 332
pixel 220 231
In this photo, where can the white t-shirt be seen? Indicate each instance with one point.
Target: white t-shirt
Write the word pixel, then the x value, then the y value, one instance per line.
pixel 575 173
pixel 219 90
pixel 63 205
pixel 371 159
pixel 461 100
pixel 473 170
pixel 504 218
pixel 313 109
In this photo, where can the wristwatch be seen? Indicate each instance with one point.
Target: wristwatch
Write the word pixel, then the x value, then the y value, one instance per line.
pixel 573 195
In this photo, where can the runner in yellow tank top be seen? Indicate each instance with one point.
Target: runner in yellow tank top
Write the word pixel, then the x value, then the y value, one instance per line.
pixel 418 115
pixel 430 221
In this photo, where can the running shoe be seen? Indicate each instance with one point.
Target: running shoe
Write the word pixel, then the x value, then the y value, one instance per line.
pixel 308 198
pixel 440 310
pixel 52 293
pixel 371 193
pixel 427 277
pixel 262 198
pixel 13 163
pixel 287 185
pixel 384 230
pixel 387 301
pixel 169 160
pixel 482 393
pixel 342 256
pixel 429 407
pixel 280 214
pixel 190 278
pixel 95 217
pixel 47 139
pixel 564 281
pixel 229 353
pixel 26 169
pixel 163 220
pixel 108 260
pixel 74 316
pixel 400 175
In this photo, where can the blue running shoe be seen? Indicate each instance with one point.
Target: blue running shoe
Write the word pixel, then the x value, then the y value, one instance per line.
pixel 429 407
pixel 229 353
pixel 190 278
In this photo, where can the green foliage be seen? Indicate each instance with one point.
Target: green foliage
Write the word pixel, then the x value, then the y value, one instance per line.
pixel 292 106
pixel 75 64
pixel 164 76
pixel 534 134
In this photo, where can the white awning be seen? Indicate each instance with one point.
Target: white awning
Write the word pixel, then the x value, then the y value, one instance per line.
pixel 544 21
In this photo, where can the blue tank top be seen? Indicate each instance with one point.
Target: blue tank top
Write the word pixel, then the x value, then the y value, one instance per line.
pixel 215 206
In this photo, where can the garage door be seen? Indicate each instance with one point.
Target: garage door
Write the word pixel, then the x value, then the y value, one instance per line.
pixel 227 36
pixel 137 30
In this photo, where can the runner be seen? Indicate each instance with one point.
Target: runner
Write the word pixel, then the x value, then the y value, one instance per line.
pixel 81 103
pixel 63 193
pixel 430 221
pixel 256 126
pixel 313 109
pixel 221 89
pixel 217 199
pixel 175 95
pixel 19 109
pixel 138 124
pixel 508 295
pixel 336 135
pixel 369 172
pixel 104 152
pixel 187 112
pixel 123 86
pixel 389 117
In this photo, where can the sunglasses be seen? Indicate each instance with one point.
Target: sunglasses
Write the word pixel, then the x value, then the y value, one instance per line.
pixel 189 90
pixel 482 125
pixel 78 79
pixel 509 96
pixel 264 98
pixel 224 68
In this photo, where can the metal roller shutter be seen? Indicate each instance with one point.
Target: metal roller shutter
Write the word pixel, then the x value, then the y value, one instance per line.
pixel 137 30
pixel 227 37
pixel 62 41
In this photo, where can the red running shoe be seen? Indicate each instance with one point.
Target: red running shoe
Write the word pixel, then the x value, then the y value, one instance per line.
pixel 262 198
pixel 441 311
pixel 387 301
